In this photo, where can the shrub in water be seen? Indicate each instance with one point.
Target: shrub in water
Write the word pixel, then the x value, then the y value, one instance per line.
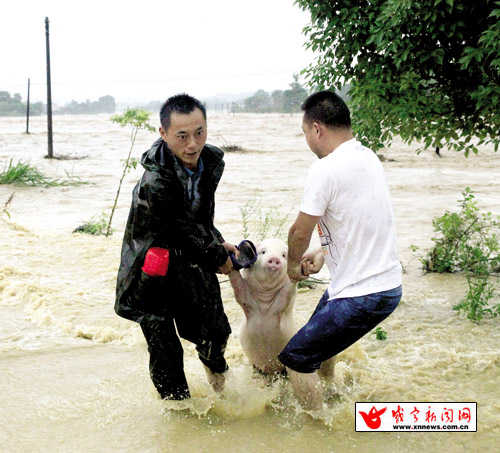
pixel 97 225
pixel 468 241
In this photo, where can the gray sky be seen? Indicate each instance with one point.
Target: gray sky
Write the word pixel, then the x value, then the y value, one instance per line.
pixel 143 50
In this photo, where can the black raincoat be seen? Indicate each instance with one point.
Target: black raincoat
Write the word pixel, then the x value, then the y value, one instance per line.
pixel 162 215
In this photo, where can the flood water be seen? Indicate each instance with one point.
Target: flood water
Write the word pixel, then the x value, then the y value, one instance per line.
pixel 74 376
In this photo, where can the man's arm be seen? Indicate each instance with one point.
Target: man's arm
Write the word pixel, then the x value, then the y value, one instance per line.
pixel 299 238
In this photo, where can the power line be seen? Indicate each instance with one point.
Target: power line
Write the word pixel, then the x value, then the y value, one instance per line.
pixel 165 79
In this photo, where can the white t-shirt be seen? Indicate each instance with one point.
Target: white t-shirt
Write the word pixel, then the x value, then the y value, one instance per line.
pixel 357 232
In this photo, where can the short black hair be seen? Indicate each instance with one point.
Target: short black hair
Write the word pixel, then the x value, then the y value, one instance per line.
pixel 180 103
pixel 328 108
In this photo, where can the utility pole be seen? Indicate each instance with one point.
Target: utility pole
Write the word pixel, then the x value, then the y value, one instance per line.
pixel 28 110
pixel 49 93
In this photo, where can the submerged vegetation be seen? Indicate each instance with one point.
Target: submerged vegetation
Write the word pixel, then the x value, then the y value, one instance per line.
pixel 25 174
pixel 230 148
pixel 260 223
pixel 97 225
pixel 469 242
pixel 380 334
pixel 6 206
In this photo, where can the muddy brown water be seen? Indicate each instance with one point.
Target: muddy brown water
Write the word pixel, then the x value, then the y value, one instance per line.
pixel 74 376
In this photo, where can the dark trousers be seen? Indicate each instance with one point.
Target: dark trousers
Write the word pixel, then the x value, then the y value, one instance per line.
pixel 166 363
pixel 334 326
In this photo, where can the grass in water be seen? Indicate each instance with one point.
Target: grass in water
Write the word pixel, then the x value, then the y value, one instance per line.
pixel 97 225
pixel 380 334
pixel 229 148
pixel 5 209
pixel 261 223
pixel 25 174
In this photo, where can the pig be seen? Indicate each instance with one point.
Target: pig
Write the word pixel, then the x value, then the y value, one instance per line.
pixel 267 295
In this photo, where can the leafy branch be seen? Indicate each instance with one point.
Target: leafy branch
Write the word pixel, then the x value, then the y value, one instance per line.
pixel 136 119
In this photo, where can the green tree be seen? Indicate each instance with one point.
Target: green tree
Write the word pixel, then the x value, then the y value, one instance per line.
pixel 12 106
pixel 260 102
pixel 136 120
pixel 424 70
pixel 277 100
pixel 38 108
pixel 105 104
pixel 294 97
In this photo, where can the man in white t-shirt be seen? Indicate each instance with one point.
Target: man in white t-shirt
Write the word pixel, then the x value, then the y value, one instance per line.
pixel 347 199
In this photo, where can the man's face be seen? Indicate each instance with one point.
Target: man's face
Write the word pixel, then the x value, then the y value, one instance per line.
pixel 311 132
pixel 186 136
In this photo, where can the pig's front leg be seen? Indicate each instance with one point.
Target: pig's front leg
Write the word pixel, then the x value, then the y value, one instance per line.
pixel 286 296
pixel 240 287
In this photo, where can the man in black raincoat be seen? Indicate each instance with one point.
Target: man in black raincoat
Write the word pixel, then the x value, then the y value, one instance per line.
pixel 173 208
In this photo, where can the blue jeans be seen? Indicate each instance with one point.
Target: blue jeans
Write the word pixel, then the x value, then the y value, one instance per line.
pixel 334 326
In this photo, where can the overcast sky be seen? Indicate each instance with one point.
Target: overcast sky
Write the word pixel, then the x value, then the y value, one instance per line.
pixel 143 50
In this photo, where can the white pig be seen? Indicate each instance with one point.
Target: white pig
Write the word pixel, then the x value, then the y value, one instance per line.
pixel 266 294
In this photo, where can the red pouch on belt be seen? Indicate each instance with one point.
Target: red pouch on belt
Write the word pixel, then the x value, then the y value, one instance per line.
pixel 156 262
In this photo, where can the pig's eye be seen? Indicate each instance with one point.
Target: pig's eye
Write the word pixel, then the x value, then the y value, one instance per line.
pixel 284 255
pixel 263 252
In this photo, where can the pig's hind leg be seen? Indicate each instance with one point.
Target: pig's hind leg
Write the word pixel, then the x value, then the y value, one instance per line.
pixel 308 389
pixel 327 369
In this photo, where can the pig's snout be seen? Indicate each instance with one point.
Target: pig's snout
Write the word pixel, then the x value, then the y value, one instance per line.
pixel 274 263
